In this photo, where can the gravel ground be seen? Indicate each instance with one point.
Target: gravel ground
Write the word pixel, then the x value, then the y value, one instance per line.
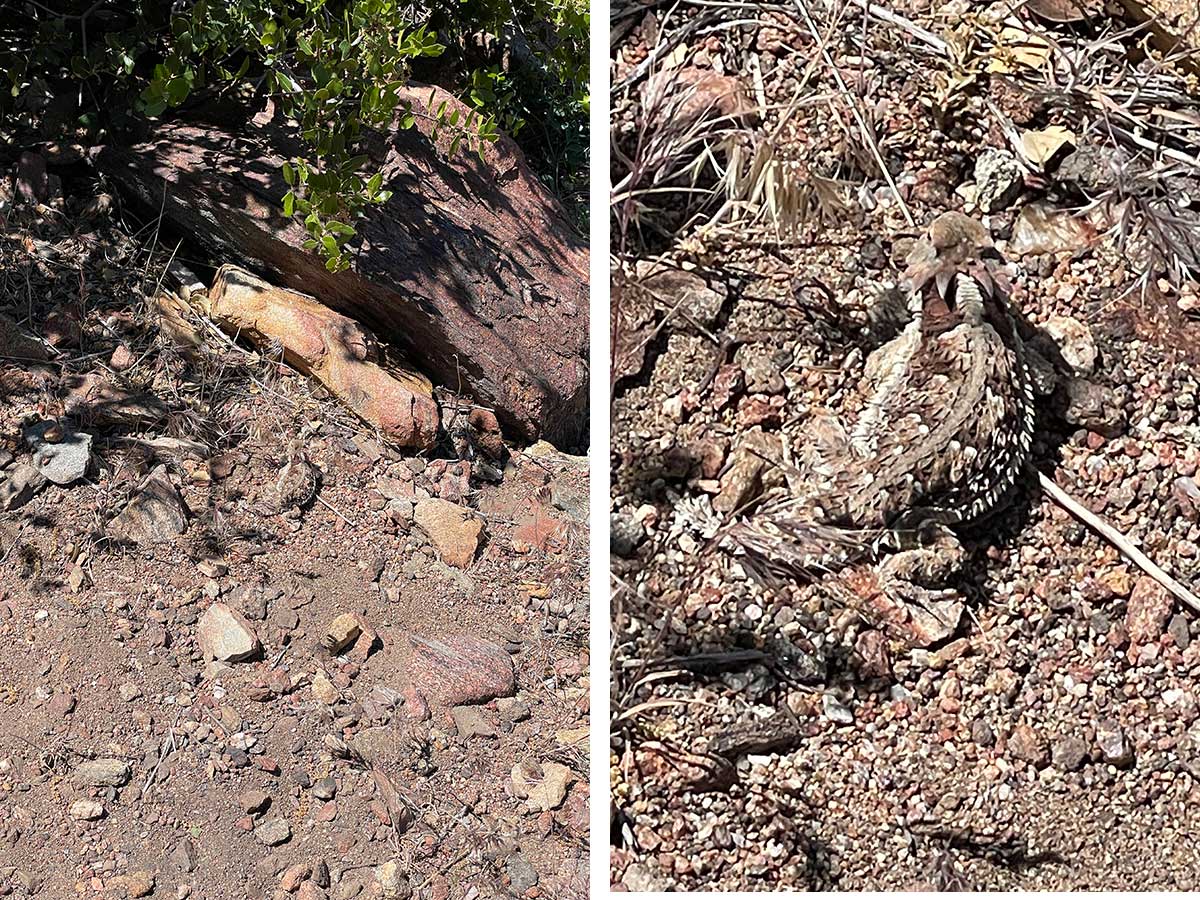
pixel 299 770
pixel 780 738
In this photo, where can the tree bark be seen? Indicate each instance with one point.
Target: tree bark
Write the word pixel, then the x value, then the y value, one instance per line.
pixel 471 267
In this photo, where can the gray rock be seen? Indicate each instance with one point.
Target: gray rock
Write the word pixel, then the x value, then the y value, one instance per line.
pixel 570 499
pixel 155 514
pixel 273 832
pixel 184 856
pixel 1095 407
pixel 105 772
pixel 1178 630
pixel 20 487
pixel 998 179
pixel 1114 746
pixel 836 711
pixel 982 734
pixel 324 788
pixel 1068 753
pixel 521 873
pixel 512 710
pixel 471 722
pixel 63 461
pixel 625 533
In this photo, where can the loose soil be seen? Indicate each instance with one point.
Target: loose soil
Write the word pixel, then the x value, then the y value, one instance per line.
pixel 99 637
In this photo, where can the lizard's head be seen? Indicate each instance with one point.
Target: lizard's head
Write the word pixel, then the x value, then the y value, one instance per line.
pixel 954 245
pixel 957 234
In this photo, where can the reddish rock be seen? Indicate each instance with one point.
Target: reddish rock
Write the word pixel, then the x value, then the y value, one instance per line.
pixel 416 705
pixel 62 703
pixel 1027 744
pixel 328 811
pixel 1149 608
pixel 122 359
pixel 461 669
pixel 875 658
pixel 472 265
pixel 294 876
pixel 760 410
pixel 542 532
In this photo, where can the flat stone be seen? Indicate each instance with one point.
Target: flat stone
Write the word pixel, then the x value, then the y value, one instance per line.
pixel 294 875
pixel 253 800
pixel 273 832
pixel 1149 608
pixel 461 669
pixel 86 810
pixel 226 635
pixel 392 882
pixel 64 460
pixel 184 856
pixel 155 514
pixel 543 787
pixel 139 884
pixel 471 722
pixel 521 873
pixel 20 487
pixel 453 530
pixel 102 773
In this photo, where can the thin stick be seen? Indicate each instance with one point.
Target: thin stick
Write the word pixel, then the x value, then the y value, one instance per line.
pixel 329 507
pixel 1118 540
pixel 895 19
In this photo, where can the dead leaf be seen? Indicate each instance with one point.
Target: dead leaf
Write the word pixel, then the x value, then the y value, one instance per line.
pixel 1017 48
pixel 1042 229
pixel 1039 147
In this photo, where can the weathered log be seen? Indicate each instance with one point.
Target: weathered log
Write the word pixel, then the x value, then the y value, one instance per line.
pixel 471 267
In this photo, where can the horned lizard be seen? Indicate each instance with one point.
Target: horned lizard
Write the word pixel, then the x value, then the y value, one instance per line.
pixel 945 429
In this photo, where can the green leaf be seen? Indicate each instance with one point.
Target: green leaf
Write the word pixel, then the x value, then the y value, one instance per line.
pixel 331 245
pixel 289 175
pixel 375 183
pixel 289 204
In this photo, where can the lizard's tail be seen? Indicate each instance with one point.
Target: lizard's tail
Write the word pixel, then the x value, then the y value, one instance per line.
pixel 783 546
